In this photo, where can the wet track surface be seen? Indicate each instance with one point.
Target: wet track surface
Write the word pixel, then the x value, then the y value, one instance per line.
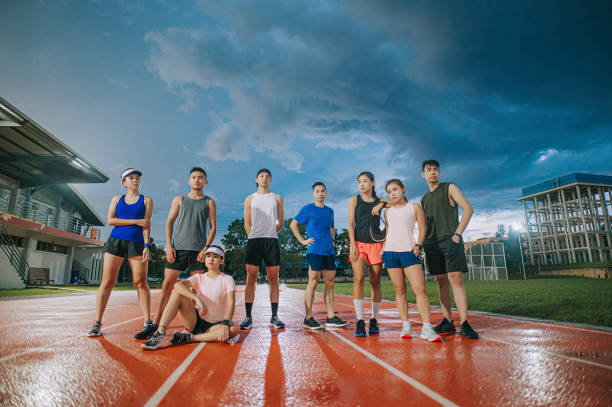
pixel 46 359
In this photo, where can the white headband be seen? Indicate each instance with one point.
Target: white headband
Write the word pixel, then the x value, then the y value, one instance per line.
pixel 215 250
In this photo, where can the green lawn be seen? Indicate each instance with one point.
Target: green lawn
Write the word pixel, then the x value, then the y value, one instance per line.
pixel 581 300
pixel 45 291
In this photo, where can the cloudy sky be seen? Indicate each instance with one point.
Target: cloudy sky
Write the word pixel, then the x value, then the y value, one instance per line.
pixel 504 94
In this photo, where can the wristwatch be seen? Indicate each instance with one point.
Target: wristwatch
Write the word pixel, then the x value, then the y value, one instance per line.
pixel 420 246
pixel 147 245
pixel 226 322
pixel 458 234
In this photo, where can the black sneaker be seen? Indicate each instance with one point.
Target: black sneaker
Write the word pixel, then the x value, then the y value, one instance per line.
pixel 468 332
pixel 276 323
pixel 246 324
pixel 373 326
pixel 158 340
pixel 360 328
pixel 95 329
pixel 334 322
pixel 311 323
pixel 147 332
pixel 445 326
pixel 180 338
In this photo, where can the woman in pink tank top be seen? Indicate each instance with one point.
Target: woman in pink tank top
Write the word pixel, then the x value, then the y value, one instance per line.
pixel 400 254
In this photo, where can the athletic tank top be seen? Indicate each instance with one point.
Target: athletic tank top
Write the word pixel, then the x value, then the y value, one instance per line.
pixel 190 233
pixel 400 228
pixel 442 218
pixel 263 216
pixel 129 211
pixel 364 220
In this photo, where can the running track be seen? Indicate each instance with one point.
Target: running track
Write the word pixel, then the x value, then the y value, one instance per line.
pixel 45 360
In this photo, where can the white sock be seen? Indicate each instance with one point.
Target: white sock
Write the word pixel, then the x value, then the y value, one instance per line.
pixel 358 308
pixel 405 325
pixel 375 309
pixel 427 325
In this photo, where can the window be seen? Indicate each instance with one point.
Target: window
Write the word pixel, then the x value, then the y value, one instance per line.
pixel 51 248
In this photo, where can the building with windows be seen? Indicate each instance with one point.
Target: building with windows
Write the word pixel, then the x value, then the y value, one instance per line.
pixel 568 219
pixel 486 259
pixel 45 224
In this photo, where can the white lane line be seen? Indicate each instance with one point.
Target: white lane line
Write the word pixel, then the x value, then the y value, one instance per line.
pixel 536 321
pixel 47 346
pixel 550 353
pixel 165 388
pixel 417 385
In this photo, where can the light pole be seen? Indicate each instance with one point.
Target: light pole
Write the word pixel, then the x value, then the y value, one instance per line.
pixel 519 227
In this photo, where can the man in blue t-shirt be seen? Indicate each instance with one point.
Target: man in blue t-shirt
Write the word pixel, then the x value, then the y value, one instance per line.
pixel 319 220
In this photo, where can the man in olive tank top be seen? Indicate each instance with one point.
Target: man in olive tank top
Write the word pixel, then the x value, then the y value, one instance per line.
pixel 187 243
pixel 444 250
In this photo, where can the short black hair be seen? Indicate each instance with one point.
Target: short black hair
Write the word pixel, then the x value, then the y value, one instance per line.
pixel 200 169
pixel 316 184
pixel 264 170
pixel 430 162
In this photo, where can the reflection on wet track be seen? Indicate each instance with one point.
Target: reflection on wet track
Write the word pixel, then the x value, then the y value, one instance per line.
pixel 46 360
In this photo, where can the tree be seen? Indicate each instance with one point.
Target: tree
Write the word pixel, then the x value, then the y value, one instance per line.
pixel 236 235
pixel 343 247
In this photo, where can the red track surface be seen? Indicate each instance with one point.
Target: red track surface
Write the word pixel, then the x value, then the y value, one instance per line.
pixel 45 359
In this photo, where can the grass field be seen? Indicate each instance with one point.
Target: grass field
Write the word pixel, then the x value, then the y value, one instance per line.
pixel 58 290
pixel 581 300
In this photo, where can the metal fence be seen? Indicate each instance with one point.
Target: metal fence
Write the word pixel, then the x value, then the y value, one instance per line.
pixel 486 261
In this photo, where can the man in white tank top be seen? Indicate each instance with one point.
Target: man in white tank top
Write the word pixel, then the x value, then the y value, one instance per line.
pixel 263 219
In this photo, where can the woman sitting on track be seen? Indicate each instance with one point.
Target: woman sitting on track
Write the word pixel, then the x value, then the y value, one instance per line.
pixel 130 214
pixel 400 253
pixel 211 321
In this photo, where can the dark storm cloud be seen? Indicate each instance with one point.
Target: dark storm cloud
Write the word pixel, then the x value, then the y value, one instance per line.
pixel 497 91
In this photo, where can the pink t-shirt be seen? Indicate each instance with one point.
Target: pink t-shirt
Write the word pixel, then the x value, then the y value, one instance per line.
pixel 214 293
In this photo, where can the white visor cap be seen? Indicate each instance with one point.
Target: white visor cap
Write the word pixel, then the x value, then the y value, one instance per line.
pixel 215 250
pixel 130 171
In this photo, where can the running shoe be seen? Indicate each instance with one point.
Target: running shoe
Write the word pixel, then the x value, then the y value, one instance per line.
pixel 311 323
pixel 95 329
pixel 246 324
pixel 180 338
pixel 430 335
pixel 468 332
pixel 360 328
pixel 147 332
pixel 406 332
pixel 158 340
pixel 373 326
pixel 445 326
pixel 276 323
pixel 334 322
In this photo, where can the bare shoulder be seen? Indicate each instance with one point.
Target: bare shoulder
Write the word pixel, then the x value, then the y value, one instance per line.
pixel 278 198
pixel 248 199
pixel 148 200
pixel 211 202
pixel 353 200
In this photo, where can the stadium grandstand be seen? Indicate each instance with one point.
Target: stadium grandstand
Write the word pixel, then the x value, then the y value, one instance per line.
pixel 48 232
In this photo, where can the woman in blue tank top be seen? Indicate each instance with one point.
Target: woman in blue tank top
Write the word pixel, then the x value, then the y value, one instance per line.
pixel 130 214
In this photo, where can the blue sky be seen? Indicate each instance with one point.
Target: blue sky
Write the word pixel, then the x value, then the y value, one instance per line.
pixel 503 94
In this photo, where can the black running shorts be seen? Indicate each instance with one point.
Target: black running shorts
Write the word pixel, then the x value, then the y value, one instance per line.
pixel 202 325
pixel 186 260
pixel 262 248
pixel 123 248
pixel 445 256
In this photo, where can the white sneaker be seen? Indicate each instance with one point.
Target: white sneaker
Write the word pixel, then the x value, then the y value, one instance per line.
pixel 406 332
pixel 430 335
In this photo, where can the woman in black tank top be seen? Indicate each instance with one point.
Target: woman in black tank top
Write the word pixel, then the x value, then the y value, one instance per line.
pixel 365 249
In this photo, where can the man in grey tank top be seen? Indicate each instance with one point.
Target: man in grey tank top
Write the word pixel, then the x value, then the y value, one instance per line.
pixel 186 246
pixel 444 250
